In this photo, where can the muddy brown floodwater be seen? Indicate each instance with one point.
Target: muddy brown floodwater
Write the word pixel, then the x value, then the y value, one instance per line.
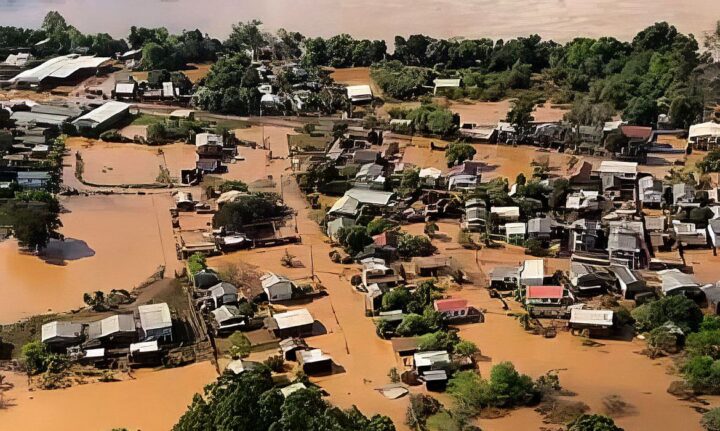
pixel 112 242
pixel 152 401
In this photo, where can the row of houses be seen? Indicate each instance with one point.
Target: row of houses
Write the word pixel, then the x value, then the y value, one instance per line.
pixel 139 337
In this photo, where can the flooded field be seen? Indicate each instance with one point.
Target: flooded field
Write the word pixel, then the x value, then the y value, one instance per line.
pixel 153 400
pixel 561 20
pixel 112 242
pixel 110 163
pixel 503 160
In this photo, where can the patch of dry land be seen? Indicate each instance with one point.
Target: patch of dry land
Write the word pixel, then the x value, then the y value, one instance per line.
pixel 111 242
pixel 152 400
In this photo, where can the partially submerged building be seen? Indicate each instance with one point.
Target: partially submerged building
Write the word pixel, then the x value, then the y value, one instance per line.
pixel 293 323
pixel 156 322
pixel 102 118
pixel 58 335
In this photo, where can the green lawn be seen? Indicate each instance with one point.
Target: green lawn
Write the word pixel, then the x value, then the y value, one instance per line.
pixel 307 142
pixel 147 119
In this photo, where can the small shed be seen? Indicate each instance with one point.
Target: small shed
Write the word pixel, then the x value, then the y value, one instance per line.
pixel 156 322
pixel 314 361
pixel 293 323
pixel 223 294
pixel 277 287
pixel 359 93
pixel 405 346
pixel 532 272
pixel 435 380
pixel 229 319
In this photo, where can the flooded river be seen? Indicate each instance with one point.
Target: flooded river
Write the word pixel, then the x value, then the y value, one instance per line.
pixel 561 20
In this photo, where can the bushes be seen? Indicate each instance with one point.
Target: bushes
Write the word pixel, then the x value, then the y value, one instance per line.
pixel 197 263
pixel 711 420
pixel 506 388
pixel 354 239
pixel 399 81
pixel 704 343
pixel 240 345
pixel 433 119
pixel 378 226
pixel 232 185
pixel 593 423
pixel 677 309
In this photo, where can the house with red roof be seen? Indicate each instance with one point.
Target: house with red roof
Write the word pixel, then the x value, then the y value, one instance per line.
pixel 547 301
pixel 456 309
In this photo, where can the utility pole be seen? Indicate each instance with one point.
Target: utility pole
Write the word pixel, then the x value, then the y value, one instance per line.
pixel 312 263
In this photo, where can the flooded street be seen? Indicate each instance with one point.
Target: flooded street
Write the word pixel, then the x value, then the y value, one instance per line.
pixel 561 20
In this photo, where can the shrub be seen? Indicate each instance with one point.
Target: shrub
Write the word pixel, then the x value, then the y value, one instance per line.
pixel 466 349
pixel 438 340
pixel 506 388
pixel 421 407
pixel 593 423
pixel 704 343
pixel 711 420
pixel 36 357
pixel 378 226
pixel 236 185
pixel 240 345
pixel 196 263
pixel 275 363
pixel 702 373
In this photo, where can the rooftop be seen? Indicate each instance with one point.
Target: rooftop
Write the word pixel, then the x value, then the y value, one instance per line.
pixel 293 318
pixel 545 292
pixel 103 113
pixel 60 67
pixel 155 316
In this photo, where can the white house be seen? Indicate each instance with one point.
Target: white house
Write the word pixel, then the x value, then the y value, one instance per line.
pixel 532 272
pixel 359 93
pixel 277 287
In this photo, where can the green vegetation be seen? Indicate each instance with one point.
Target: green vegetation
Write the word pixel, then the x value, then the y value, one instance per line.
pixel 36 357
pixel 250 401
pixel 711 420
pixel 354 239
pixel 34 217
pixel 414 245
pixel 710 163
pixel 399 81
pixel 506 388
pixel 430 118
pixel 232 185
pixel 249 209
pixel 240 345
pixel 593 423
pixel 458 152
pixel 197 263
pixel 378 226
pixel 343 51
pixel 677 309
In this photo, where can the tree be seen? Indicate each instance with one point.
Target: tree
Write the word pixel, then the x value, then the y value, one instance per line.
pixel 712 41
pixel 466 349
pixel 35 222
pixel 240 345
pixel 354 239
pixel 710 163
pixel 641 111
pixel 420 408
pixel 246 36
pixel 411 325
pixel 250 208
pixel 702 373
pixel 520 115
pixel 35 357
pixel 458 152
pixel 414 245
pixel 438 340
pixel 396 299
pixel 704 343
pixel 677 309
pixel 593 423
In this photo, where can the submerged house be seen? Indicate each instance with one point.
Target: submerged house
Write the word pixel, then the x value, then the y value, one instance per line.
pixel 628 282
pixel 596 322
pixel 293 323
pixel 546 301
pixel 229 319
pixel 532 272
pixel 314 361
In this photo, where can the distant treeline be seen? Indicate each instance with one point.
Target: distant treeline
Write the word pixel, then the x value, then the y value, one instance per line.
pixel 661 71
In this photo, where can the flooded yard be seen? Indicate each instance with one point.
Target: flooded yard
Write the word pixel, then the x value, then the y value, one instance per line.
pixel 152 400
pixel 112 242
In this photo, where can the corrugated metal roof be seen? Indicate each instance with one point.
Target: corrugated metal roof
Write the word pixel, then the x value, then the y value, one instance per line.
pixel 112 325
pixel 543 292
pixel 104 112
pixel 447 83
pixel 57 329
pixel 60 67
pixel 359 91
pixel 155 316
pixel 591 317
pixel 373 197
pixel 293 318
